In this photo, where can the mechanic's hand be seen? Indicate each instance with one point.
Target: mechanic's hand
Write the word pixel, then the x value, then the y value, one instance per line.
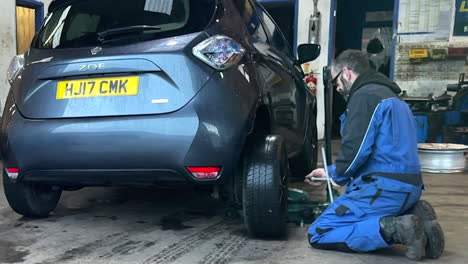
pixel 317 173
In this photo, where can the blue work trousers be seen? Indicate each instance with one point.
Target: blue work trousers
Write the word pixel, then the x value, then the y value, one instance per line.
pixel 351 223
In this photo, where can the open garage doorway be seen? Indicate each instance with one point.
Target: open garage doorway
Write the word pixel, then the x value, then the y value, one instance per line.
pixel 366 25
pixel 29 16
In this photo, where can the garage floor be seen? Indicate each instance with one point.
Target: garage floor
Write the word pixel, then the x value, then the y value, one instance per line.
pixel 122 225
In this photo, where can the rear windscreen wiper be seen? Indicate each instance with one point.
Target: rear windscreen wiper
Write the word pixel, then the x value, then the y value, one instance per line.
pixel 106 34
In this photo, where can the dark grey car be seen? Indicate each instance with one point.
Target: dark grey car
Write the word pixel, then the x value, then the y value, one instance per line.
pixel 159 92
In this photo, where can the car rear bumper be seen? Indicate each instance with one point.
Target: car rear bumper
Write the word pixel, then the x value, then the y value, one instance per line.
pixel 100 149
pixel 133 149
pixel 137 177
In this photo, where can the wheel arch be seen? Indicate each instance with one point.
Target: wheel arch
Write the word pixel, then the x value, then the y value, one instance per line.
pixel 261 125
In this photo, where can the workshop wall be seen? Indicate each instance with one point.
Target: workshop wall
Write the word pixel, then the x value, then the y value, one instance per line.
pixel 46 4
pixel 8 43
pixel 306 8
pixel 427 27
pixel 424 78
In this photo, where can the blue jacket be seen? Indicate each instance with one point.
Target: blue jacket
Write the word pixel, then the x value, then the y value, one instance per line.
pixel 378 137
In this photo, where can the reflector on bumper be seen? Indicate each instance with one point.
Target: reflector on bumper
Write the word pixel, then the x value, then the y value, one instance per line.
pixel 204 172
pixel 12 173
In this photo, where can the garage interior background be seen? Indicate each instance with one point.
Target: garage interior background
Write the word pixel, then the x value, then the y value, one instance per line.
pixel 436 26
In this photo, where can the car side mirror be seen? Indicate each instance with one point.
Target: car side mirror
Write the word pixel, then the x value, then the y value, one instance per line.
pixel 308 52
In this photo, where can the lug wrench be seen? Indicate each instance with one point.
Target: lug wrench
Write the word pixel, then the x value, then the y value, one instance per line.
pixel 329 186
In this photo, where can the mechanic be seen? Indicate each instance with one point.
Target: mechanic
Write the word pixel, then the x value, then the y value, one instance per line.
pixel 379 162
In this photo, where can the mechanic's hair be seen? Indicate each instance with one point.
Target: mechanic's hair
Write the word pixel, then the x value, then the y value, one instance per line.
pixel 355 60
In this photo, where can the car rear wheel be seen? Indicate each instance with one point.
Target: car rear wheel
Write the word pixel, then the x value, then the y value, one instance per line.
pixel 264 195
pixel 30 199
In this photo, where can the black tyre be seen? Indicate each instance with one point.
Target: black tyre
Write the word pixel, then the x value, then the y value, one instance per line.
pixel 30 199
pixel 306 160
pixel 264 195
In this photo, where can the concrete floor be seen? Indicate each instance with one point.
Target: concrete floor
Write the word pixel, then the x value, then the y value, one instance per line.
pixel 124 225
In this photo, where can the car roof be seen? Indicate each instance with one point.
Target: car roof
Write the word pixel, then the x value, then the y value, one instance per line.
pixel 55 3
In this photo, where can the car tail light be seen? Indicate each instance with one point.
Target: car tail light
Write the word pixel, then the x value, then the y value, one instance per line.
pixel 13 170
pixel 12 173
pixel 220 52
pixel 15 68
pixel 204 172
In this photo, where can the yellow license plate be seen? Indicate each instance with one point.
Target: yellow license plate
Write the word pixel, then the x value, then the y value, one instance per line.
pixel 118 86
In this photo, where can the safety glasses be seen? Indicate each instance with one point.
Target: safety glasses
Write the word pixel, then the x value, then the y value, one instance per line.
pixel 335 80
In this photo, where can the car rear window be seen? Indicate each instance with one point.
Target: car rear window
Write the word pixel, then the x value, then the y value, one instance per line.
pixel 85 23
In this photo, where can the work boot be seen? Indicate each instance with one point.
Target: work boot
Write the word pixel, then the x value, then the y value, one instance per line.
pixel 407 230
pixel 434 233
pixel 423 209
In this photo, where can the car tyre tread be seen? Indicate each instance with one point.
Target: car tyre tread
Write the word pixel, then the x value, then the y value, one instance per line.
pixel 264 213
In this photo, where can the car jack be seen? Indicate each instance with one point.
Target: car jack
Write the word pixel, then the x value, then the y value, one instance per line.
pixel 302 210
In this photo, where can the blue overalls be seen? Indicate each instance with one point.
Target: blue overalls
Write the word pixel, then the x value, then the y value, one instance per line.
pixel 379 161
